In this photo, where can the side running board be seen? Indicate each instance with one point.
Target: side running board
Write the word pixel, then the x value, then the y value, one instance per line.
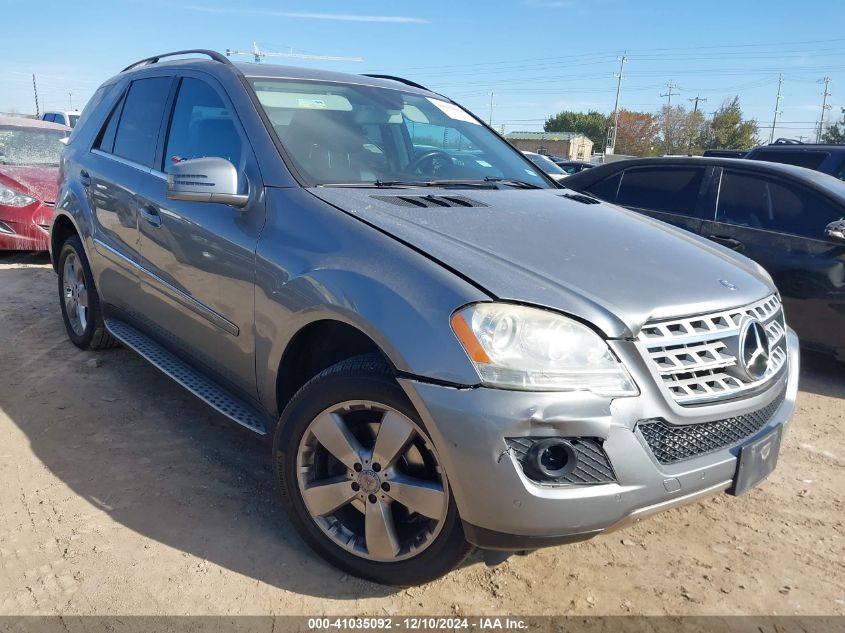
pixel 212 394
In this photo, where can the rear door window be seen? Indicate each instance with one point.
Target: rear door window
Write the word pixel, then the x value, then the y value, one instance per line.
pixel 782 207
pixel 668 189
pixel 202 126
pixel 140 121
pixel 810 160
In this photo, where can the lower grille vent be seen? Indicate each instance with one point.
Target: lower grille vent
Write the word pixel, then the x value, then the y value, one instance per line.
pixel 592 464
pixel 672 443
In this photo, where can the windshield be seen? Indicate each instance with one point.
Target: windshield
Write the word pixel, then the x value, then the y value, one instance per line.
pixel 544 163
pixel 30 146
pixel 73 119
pixel 339 133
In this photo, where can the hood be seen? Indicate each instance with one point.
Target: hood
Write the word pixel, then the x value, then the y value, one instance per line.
pixel 609 266
pixel 40 181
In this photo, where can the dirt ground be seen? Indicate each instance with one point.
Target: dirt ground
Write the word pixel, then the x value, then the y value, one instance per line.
pixel 123 494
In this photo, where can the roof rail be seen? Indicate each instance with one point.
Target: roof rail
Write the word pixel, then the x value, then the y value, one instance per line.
pixel 200 51
pixel 407 82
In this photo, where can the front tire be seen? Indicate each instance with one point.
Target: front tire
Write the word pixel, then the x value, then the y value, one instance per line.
pixel 80 302
pixel 362 481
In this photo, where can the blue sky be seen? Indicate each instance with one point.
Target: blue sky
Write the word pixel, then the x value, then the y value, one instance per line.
pixel 538 56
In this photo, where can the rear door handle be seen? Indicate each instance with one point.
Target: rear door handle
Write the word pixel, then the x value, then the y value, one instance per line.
pixel 84 178
pixel 150 215
pixel 727 241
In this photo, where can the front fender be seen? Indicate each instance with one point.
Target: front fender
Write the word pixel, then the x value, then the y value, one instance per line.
pixel 316 263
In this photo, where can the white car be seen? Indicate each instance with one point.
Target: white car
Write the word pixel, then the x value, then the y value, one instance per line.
pixel 547 165
pixel 62 117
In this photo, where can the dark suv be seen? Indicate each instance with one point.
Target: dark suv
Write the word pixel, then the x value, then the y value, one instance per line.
pixel 828 159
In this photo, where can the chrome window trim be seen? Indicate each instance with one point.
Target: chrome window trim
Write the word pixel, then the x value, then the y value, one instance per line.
pixel 122 161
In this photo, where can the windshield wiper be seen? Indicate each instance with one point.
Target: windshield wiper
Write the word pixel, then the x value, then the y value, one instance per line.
pixel 412 184
pixel 512 182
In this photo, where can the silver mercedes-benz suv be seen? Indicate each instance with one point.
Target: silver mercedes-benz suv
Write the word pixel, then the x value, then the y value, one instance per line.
pixel 443 347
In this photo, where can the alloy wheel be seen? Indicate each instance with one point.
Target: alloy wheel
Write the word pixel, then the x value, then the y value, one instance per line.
pixel 372 481
pixel 75 294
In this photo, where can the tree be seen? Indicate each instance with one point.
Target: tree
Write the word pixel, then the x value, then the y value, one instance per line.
pixel 835 134
pixel 728 130
pixel 680 129
pixel 637 134
pixel 592 124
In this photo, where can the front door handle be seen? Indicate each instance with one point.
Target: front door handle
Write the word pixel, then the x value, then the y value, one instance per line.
pixel 150 215
pixel 728 241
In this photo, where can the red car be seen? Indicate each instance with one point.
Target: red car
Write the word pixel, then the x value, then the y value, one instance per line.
pixel 29 171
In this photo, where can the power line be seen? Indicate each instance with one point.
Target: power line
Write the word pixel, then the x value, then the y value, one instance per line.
pixel 777 110
pixel 825 106
pixel 667 128
pixel 35 91
pixel 610 145
pixel 257 54
pixel 696 99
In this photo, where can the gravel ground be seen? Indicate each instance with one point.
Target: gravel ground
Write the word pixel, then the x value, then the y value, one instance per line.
pixel 123 494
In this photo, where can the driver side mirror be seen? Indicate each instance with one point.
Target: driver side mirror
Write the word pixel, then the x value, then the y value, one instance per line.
pixel 209 179
pixel 836 230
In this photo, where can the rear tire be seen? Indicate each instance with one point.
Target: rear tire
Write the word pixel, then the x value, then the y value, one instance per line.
pixel 79 300
pixel 426 537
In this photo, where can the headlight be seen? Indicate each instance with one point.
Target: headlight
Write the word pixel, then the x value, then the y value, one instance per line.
pixel 517 347
pixel 12 198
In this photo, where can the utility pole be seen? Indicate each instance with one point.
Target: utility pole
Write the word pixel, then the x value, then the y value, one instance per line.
pixel 610 144
pixel 777 111
pixel 825 107
pixel 35 91
pixel 490 120
pixel 70 99
pixel 257 54
pixel 696 99
pixel 667 140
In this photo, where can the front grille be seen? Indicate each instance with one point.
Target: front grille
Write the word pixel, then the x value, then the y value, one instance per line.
pixel 593 466
pixel 672 443
pixel 696 357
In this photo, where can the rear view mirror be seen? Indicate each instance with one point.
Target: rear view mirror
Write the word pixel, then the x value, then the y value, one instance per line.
pixel 208 179
pixel 836 230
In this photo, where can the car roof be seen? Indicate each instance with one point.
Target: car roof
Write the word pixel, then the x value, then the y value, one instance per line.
pixel 254 70
pixel 820 180
pixel 19 121
pixel 798 147
pixel 717 161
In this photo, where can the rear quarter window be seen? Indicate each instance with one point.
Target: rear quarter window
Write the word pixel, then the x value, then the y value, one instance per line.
pixel 607 188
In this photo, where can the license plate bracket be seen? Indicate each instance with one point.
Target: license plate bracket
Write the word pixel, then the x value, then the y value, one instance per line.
pixel 757 460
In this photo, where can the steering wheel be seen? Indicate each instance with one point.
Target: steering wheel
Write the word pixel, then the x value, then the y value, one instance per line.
pixel 417 164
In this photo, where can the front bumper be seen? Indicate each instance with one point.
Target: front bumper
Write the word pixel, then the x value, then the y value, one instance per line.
pixel 503 509
pixel 25 228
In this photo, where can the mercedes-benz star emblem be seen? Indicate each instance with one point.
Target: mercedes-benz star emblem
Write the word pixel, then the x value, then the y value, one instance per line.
pixel 754 349
pixel 727 284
